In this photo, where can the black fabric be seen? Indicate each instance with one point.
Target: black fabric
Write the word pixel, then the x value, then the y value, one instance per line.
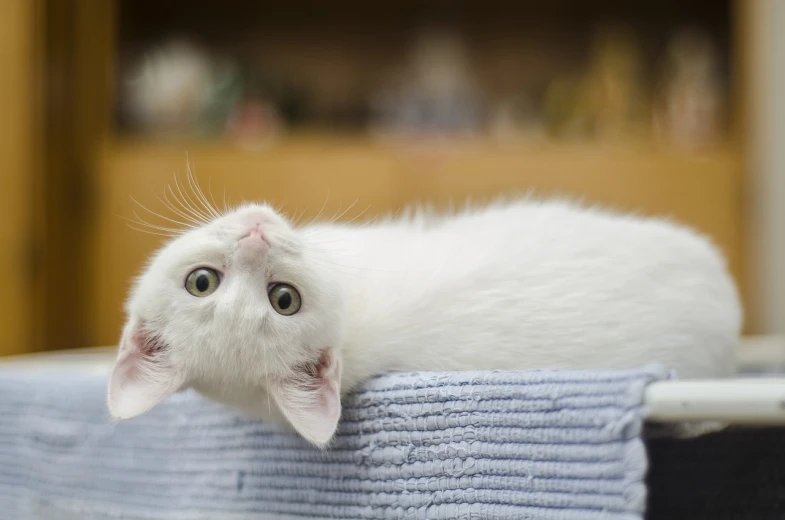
pixel 737 473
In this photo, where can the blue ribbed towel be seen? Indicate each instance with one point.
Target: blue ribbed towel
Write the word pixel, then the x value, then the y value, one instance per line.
pixel 524 445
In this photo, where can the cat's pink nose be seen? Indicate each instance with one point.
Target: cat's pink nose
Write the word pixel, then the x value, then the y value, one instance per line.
pixel 255 234
pixel 253 248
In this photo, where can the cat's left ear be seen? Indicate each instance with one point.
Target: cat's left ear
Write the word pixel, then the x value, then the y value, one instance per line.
pixel 311 401
pixel 143 374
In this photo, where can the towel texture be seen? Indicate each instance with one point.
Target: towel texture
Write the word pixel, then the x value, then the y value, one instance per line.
pixel 485 445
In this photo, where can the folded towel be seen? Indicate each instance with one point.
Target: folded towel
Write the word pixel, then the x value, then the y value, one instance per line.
pixel 484 445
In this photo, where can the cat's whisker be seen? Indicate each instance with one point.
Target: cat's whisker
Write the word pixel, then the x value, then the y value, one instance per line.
pixel 198 193
pixel 142 230
pixel 184 203
pixel 176 202
pixel 191 204
pixel 157 214
pixel 177 211
pixel 323 206
pixel 335 219
pixel 279 207
pixel 212 210
pixel 373 220
pixel 193 185
pixel 187 202
pixel 140 221
pixel 358 215
pixel 298 216
pixel 212 199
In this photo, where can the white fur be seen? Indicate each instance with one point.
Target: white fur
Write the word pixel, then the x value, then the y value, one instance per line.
pixel 515 285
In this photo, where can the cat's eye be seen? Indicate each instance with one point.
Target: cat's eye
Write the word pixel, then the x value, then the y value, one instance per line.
pixel 285 299
pixel 202 282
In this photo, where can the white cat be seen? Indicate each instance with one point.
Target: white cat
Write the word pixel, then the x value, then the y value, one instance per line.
pixel 280 321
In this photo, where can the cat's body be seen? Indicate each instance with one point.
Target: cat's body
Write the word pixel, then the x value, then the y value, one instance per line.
pixel 515 285
pixel 531 286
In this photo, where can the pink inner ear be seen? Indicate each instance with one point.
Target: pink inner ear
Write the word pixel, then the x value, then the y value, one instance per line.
pixel 143 375
pixel 312 401
pixel 148 344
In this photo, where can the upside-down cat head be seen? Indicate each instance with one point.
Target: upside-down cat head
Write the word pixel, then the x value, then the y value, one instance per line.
pixel 238 310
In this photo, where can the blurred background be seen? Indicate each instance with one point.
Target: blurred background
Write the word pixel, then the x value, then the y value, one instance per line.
pixel 348 107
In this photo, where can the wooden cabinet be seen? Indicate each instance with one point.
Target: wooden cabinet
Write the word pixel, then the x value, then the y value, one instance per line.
pixel 17 197
pixel 328 169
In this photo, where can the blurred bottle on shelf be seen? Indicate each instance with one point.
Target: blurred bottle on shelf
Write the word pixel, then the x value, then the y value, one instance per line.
pixel 605 101
pixel 516 117
pixel 268 105
pixel 688 106
pixel 565 116
pixel 254 123
pixel 614 94
pixel 178 89
pixel 435 94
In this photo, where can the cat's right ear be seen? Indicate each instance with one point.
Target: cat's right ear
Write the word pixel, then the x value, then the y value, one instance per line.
pixel 143 374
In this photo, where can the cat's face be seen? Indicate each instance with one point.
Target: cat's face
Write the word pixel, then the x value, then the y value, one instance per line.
pixel 243 311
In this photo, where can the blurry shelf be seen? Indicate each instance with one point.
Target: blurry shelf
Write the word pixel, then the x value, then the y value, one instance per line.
pixel 357 177
pixel 701 189
pixel 436 153
pixel 306 167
